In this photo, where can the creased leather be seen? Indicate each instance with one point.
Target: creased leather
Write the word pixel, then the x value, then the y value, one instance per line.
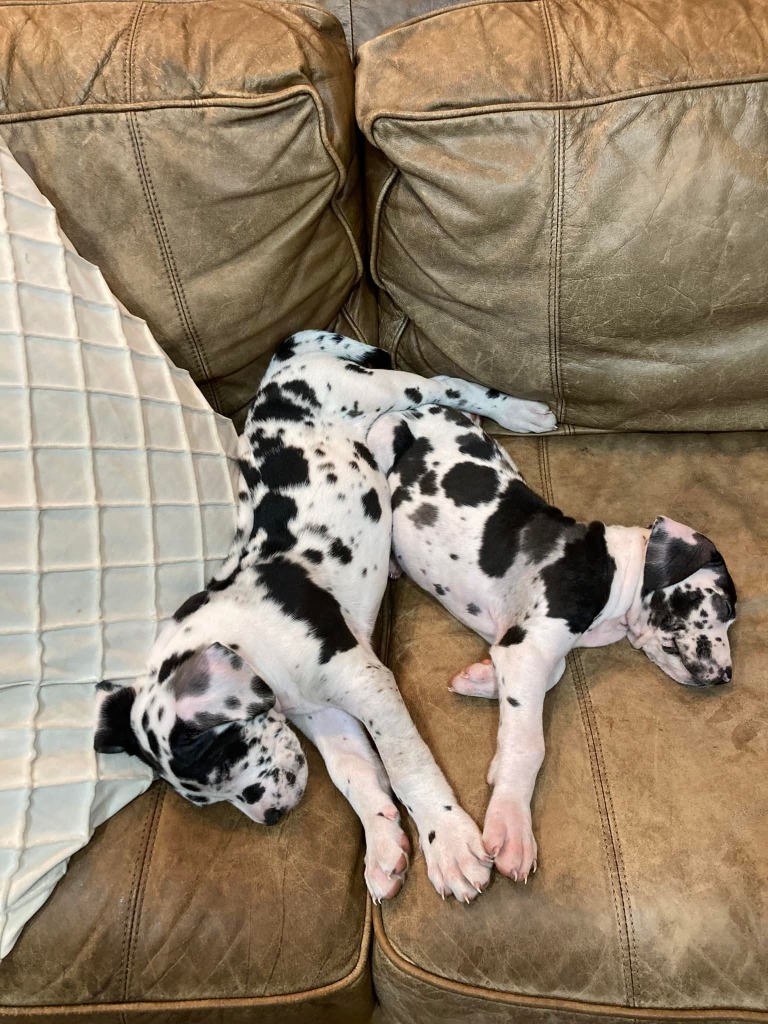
pixel 652 890
pixel 204 156
pixel 572 217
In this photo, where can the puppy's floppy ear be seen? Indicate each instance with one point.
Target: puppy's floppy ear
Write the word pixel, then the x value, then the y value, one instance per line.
pixel 215 685
pixel 674 553
pixel 114 734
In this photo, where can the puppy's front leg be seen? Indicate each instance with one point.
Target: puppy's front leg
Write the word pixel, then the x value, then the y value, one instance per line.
pixel 524 672
pixel 456 861
pixel 358 773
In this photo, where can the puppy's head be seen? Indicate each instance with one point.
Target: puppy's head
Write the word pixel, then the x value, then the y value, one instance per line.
pixel 688 602
pixel 207 723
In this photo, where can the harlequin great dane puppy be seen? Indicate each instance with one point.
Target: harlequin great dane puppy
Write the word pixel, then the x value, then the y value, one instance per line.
pixel 535 583
pixel 283 629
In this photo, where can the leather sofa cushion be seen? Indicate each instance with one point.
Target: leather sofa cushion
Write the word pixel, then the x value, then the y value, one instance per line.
pixel 204 156
pixel 569 205
pixel 177 914
pixel 650 812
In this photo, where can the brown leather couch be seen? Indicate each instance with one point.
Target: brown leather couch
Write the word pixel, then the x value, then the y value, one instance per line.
pixel 566 199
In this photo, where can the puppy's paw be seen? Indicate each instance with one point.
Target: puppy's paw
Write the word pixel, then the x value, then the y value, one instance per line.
pixel 508 837
pixel 395 572
pixel 478 680
pixel 386 854
pixel 457 863
pixel 526 417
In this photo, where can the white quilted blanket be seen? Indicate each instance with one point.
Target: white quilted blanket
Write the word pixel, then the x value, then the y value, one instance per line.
pixel 116 503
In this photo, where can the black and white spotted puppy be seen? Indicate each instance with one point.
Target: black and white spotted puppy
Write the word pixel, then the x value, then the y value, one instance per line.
pixel 282 632
pixel 535 583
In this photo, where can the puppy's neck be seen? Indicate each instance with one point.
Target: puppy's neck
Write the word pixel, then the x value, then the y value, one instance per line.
pixel 626 545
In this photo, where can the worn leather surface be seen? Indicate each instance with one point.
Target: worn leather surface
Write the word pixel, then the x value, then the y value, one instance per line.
pixel 651 819
pixel 170 903
pixel 577 217
pixel 203 155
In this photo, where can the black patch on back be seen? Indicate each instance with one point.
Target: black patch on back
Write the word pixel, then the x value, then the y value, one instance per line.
pixel 513 702
pixel 290 587
pixel 302 390
pixel 313 555
pixel 514 635
pixel 479 446
pixel 285 468
pixel 517 508
pixel 399 495
pixel 414 395
pixel 578 584
pixel 472 609
pixel 271 403
pixel 424 515
pixel 356 368
pixel 466 483
pixel 250 474
pixel 192 604
pixel 402 440
pixel 365 454
pixel 273 514
pixel 372 505
pixel 285 350
pixel 428 483
pixel 216 584
pixel 452 393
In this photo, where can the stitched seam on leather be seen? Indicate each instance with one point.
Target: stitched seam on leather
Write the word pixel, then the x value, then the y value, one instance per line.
pixel 399 335
pixel 511 107
pixel 169 260
pixel 399 962
pixel 597 770
pixel 609 839
pixel 138 904
pixel 622 871
pixel 128 68
pixel 125 952
pixel 376 225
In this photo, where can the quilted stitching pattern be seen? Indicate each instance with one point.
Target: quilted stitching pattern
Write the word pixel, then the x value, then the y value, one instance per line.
pixel 116 502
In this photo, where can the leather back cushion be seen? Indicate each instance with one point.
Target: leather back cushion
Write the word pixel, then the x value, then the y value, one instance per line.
pixel 570 204
pixel 203 154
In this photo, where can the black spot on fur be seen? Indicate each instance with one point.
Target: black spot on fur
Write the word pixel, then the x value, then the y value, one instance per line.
pixel 232 703
pixel 302 390
pixel 439 589
pixel 515 703
pixel 197 754
pixel 313 555
pixel 703 648
pixel 472 609
pixel 192 604
pixel 227 581
pixel 356 368
pixel 414 395
pixel 253 793
pixel 249 473
pixel 365 454
pixel 289 586
pixel 424 515
pixel 273 515
pixel 271 404
pixel 340 551
pixel 428 483
pixel 376 359
pixel 285 468
pixel 372 505
pixel 399 495
pixel 578 584
pixel 402 440
pixel 285 350
pixel 171 663
pixel 517 507
pixel 493 393
pixel 514 635
pixel 431 837
pixel 466 483
pixel 452 393
pixel 479 446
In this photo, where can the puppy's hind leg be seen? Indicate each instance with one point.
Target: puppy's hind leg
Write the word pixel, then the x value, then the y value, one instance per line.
pixel 358 773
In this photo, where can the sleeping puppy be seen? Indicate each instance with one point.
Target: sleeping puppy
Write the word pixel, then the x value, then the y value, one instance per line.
pixel 535 583
pixel 281 634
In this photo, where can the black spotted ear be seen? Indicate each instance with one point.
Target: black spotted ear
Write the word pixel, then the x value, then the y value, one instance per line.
pixel 674 553
pixel 114 734
pixel 198 753
pixel 216 685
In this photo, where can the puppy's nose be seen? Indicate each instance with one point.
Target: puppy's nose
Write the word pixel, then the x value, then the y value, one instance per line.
pixel 725 676
pixel 272 816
